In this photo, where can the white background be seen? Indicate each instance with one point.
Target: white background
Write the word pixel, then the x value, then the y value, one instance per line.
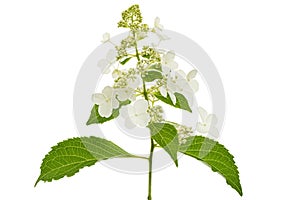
pixel 254 44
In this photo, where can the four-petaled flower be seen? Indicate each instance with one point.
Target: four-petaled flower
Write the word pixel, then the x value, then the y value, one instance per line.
pixel 158 30
pixel 157 24
pixel 106 100
pixel 107 61
pixel 208 123
pixel 125 93
pixel 168 60
pixel 137 114
pixel 187 83
pixel 169 86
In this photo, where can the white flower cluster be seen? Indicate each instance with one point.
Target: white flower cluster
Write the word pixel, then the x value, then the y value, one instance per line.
pixel 156 114
pixel 176 80
pixel 129 83
pixel 183 133
pixel 126 78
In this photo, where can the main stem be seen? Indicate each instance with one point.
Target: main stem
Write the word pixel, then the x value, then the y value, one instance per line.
pixel 150 159
pixel 150 170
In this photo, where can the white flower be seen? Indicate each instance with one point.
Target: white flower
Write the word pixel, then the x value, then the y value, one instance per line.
pixel 108 61
pixel 169 86
pixel 134 82
pixel 191 80
pixel 208 123
pixel 106 37
pixel 157 24
pixel 137 114
pixel 158 30
pixel 125 93
pixel 188 82
pixel 106 100
pixel 161 36
pixel 168 60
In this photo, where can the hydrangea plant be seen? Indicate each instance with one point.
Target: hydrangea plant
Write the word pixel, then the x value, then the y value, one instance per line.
pixel 136 91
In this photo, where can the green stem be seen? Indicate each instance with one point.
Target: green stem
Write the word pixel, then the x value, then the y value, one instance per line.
pixel 150 159
pixel 145 91
pixel 136 49
pixel 150 170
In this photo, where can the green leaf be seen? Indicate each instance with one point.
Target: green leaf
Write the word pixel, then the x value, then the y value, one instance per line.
pixel 95 118
pixel 152 75
pixel 166 136
pixel 69 156
pixel 214 155
pixel 123 62
pixel 181 101
pixel 155 66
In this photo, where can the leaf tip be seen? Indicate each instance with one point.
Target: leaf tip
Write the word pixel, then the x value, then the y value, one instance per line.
pixel 37 181
pixel 176 163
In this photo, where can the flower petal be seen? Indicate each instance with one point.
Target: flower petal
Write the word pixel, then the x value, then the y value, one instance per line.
pixel 194 85
pixel 124 93
pixel 163 91
pixel 130 110
pixel 180 73
pixel 202 128
pixel 108 91
pixel 192 74
pixel 114 102
pixel 141 106
pixel 203 114
pixel 170 55
pixel 98 98
pixel 142 119
pixel 173 98
pixel 172 64
pixel 157 24
pixel 211 120
pixel 105 110
pixel 134 83
pixel 105 37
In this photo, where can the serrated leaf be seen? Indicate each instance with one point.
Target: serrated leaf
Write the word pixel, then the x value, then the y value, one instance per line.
pixel 181 101
pixel 69 156
pixel 166 136
pixel 214 155
pixel 152 75
pixel 123 62
pixel 95 117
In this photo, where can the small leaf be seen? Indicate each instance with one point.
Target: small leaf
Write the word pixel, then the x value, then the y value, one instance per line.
pixel 166 136
pixel 152 75
pixel 69 156
pixel 95 117
pixel 214 155
pixel 123 62
pixel 155 66
pixel 181 101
